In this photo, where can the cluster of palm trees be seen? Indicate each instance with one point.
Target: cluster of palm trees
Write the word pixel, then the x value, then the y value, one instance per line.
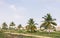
pixel 11 26
pixel 47 23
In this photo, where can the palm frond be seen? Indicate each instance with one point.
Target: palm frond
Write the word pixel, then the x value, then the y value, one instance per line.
pixel 53 23
pixel 43 24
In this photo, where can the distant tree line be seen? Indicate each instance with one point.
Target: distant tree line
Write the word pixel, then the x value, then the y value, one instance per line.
pixel 47 23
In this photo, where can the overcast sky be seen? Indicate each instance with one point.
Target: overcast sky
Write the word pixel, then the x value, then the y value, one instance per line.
pixel 19 11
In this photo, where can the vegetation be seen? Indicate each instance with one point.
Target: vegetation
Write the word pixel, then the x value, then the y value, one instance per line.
pixel 19 26
pixel 31 26
pixel 4 26
pixel 48 24
pixel 3 35
pixel 12 25
pixel 52 34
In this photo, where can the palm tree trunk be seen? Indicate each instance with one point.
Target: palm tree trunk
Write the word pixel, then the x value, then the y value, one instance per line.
pixel 49 31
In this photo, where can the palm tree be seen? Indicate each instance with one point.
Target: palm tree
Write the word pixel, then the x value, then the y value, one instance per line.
pixel 12 25
pixel 31 26
pixel 4 26
pixel 48 22
pixel 19 26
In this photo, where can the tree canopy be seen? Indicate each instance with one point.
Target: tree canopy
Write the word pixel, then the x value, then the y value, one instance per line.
pixel 48 22
pixel 31 25
pixel 4 26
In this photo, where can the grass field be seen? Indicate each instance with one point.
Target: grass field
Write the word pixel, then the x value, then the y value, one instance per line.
pixel 2 35
pixel 52 34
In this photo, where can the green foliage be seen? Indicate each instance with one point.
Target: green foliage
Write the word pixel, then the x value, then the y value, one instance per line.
pixel 11 25
pixel 4 26
pixel 52 34
pixel 31 26
pixel 19 26
pixel 20 31
pixel 48 22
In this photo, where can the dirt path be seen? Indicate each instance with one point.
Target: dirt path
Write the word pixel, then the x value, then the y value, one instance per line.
pixel 30 35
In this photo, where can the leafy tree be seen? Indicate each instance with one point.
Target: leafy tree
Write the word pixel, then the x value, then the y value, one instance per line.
pixel 31 26
pixel 48 22
pixel 4 26
pixel 12 25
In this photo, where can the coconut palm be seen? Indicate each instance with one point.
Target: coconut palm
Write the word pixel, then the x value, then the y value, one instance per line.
pixel 12 25
pixel 31 26
pixel 48 22
pixel 4 26
pixel 19 26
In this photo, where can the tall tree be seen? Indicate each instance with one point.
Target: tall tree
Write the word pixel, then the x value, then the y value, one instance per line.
pixel 31 25
pixel 48 22
pixel 12 25
pixel 4 26
pixel 19 26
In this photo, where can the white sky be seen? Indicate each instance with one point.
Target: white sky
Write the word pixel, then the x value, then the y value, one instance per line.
pixel 19 11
